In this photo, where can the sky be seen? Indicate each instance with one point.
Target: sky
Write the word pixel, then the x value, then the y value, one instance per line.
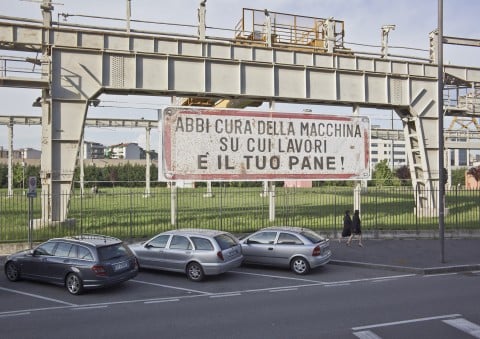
pixel 414 20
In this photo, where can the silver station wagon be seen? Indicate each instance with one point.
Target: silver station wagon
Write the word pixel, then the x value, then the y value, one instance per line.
pixel 301 249
pixel 195 252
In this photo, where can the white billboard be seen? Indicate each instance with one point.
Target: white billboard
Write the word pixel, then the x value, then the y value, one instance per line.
pixel 225 144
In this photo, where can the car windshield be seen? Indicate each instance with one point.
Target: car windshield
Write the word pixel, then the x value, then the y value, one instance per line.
pixel 312 236
pixel 225 241
pixel 113 251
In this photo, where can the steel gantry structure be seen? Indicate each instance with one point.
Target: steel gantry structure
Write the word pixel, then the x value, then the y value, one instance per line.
pixel 78 64
pixel 12 120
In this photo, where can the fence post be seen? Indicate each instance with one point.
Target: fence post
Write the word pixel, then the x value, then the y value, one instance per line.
pixel 376 213
pixel 131 214
pixel 173 204
pixel 81 213
pixel 271 209
pixel 357 197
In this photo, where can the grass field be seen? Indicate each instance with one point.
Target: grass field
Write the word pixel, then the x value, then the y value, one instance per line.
pixel 127 213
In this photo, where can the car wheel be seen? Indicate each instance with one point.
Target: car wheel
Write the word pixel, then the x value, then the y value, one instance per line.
pixel 299 265
pixel 74 284
pixel 195 272
pixel 11 271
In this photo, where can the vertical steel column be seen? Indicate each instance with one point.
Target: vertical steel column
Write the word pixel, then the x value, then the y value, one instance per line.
pixel 202 23
pixel 148 162
pixel 441 173
pixel 81 155
pixel 10 157
pixel 129 14
pixel 46 158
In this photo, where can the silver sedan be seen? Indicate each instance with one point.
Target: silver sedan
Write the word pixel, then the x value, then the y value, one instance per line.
pixel 196 252
pixel 301 249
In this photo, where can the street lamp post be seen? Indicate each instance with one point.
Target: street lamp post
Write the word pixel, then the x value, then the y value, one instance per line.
pixel 441 173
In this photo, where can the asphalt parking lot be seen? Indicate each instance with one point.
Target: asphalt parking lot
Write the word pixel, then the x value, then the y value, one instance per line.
pixel 26 297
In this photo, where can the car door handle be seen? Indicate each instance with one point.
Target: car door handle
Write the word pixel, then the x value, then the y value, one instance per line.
pixel 270 248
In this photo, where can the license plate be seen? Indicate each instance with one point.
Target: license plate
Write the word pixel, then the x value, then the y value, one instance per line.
pixel 120 266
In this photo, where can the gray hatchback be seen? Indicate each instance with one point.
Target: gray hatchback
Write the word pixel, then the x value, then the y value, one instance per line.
pixel 298 248
pixel 196 252
pixel 78 263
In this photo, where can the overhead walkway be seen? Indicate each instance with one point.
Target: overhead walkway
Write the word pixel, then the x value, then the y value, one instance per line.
pixel 81 63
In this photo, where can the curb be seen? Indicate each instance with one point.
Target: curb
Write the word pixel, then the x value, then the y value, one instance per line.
pixel 414 270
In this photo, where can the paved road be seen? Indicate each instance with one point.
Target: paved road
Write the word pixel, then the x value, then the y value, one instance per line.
pixel 251 302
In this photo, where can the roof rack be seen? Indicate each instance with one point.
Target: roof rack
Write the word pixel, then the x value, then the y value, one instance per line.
pixel 90 236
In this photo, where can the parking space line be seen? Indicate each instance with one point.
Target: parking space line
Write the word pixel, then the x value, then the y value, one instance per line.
pixel 376 279
pixel 37 296
pixel 88 307
pixel 172 287
pixel 225 295
pixel 14 314
pixel 266 289
pixel 6 313
pixel 283 290
pixel 161 301
pixel 337 284
pixel 275 276
pixel 366 335
pixel 465 326
pixel 439 274
pixel 440 317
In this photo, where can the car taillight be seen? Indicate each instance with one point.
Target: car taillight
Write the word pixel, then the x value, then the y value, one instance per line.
pixel 220 255
pixel 317 251
pixel 99 270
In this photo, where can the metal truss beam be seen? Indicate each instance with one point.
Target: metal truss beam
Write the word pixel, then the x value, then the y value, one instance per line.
pixel 80 64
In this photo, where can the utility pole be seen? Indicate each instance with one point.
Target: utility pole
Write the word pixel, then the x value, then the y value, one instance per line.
pixel 441 173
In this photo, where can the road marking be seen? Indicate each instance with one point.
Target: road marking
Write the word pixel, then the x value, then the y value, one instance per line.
pixel 35 310
pixel 465 326
pixel 37 296
pixel 225 295
pixel 360 328
pixel 283 290
pixel 274 276
pixel 161 301
pixel 346 282
pixel 439 274
pixel 366 335
pixel 337 284
pixel 14 314
pixel 88 307
pixel 172 287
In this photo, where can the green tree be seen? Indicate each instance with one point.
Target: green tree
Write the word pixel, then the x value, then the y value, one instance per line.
pixel 18 175
pixel 383 175
pixel 458 176
pixel 403 174
pixel 3 175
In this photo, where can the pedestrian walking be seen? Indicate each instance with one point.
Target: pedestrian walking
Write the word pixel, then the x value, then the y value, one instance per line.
pixel 356 229
pixel 347 226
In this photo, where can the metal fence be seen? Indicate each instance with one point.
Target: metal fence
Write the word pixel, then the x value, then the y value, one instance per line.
pixel 130 214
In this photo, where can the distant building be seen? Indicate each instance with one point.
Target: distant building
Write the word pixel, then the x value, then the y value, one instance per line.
pixel 30 153
pixel 93 150
pixel 125 151
pixel 391 150
pixel 22 153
